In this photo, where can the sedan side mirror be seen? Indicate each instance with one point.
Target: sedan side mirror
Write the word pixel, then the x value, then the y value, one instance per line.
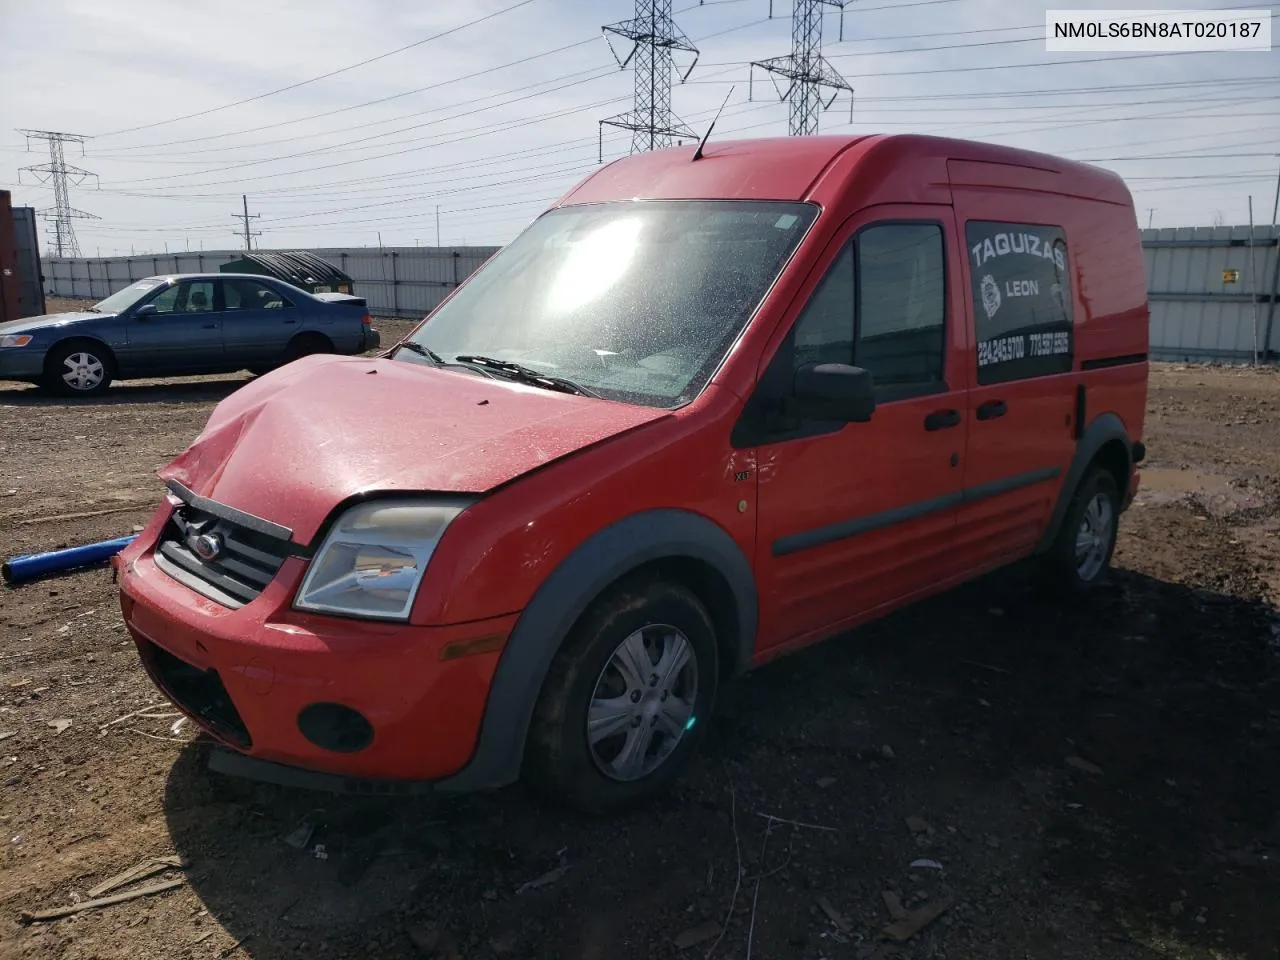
pixel 145 311
pixel 833 391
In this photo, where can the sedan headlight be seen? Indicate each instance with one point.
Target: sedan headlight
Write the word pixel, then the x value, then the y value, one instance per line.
pixel 372 560
pixel 15 340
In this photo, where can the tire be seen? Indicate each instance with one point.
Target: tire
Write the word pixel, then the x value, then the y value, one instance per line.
pixel 79 369
pixel 1073 566
pixel 561 761
pixel 305 344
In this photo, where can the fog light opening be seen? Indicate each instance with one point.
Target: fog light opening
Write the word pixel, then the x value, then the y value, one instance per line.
pixel 331 726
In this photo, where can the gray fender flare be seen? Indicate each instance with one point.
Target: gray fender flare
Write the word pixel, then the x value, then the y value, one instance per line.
pixel 1101 431
pixel 561 599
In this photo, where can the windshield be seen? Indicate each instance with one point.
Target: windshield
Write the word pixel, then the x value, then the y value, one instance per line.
pixel 122 300
pixel 637 301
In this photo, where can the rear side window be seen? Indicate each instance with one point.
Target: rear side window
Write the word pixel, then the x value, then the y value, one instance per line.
pixel 251 295
pixel 1021 292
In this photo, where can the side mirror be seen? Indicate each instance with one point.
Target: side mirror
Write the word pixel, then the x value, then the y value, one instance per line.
pixel 145 311
pixel 833 391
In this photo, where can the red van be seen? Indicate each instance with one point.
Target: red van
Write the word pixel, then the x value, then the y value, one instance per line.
pixel 705 411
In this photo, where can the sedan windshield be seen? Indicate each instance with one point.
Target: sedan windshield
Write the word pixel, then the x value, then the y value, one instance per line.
pixel 635 301
pixel 122 300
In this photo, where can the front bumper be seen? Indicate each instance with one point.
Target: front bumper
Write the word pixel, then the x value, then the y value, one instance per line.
pixel 247 676
pixel 21 363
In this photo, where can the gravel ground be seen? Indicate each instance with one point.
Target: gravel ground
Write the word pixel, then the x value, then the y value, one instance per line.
pixel 1093 782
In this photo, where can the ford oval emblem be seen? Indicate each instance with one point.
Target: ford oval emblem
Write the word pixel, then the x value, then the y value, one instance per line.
pixel 207 546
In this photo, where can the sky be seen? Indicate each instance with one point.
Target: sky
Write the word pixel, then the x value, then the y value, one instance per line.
pixel 479 126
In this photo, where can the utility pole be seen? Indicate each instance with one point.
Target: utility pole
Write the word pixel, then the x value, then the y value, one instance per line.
pixel 437 225
pixel 1151 213
pixel 63 175
pixel 245 217
pixel 806 69
pixel 655 38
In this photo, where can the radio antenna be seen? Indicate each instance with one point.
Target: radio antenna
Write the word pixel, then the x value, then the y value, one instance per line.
pixel 697 154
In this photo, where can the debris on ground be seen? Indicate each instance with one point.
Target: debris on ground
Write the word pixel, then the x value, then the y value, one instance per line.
pixel 1080 763
pixel 918 825
pixel 57 912
pixel 147 868
pixel 904 928
pixel 696 935
pixel 893 903
pixel 59 726
pixel 832 914
pixel 551 876
pixel 299 836
pixel 926 865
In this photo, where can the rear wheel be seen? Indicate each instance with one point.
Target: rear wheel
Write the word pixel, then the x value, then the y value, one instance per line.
pixel 79 369
pixel 1080 557
pixel 622 707
pixel 305 344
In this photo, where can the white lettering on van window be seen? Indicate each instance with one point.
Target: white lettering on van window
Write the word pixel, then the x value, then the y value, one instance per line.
pixel 1049 344
pixel 1022 288
pixel 1002 350
pixel 1002 244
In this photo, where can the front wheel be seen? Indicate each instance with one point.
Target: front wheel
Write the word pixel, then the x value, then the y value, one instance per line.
pixel 79 370
pixel 625 700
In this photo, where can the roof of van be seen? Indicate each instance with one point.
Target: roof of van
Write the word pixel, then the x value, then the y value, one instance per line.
pixel 790 168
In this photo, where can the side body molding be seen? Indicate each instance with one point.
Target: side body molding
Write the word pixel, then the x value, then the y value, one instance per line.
pixel 1101 431
pixel 560 601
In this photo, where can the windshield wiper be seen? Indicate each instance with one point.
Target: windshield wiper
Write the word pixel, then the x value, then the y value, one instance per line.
pixel 531 377
pixel 422 351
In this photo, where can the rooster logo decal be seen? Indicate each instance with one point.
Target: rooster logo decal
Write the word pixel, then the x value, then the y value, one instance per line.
pixel 990 296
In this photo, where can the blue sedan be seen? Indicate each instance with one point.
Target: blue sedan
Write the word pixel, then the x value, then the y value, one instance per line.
pixel 181 325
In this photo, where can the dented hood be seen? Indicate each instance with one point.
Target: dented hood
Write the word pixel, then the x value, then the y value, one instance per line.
pixel 291 445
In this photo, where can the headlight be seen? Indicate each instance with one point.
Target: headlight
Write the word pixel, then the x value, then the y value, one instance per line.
pixel 372 560
pixel 15 340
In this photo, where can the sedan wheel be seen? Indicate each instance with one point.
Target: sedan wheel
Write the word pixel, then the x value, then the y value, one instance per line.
pixel 79 369
pixel 82 372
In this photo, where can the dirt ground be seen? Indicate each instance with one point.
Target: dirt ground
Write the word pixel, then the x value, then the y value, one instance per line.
pixel 1088 782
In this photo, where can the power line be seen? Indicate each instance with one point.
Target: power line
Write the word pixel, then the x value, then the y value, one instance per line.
pixel 61 174
pixel 323 76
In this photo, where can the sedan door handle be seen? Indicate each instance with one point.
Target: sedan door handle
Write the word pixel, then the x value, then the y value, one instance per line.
pixel 208 326
pixel 291 321
pixel 942 419
pixel 992 409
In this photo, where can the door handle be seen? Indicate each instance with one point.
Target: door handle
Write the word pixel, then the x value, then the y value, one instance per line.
pixel 291 321
pixel 992 409
pixel 942 419
pixel 208 326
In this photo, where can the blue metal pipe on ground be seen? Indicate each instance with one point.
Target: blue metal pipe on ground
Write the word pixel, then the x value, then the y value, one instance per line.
pixel 30 566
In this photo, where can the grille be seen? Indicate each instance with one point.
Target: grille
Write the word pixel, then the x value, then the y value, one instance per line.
pixel 244 562
pixel 200 692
